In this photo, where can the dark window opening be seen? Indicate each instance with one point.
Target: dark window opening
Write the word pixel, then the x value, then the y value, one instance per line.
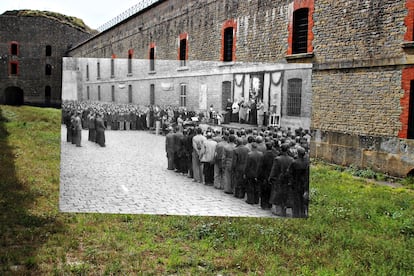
pixel 152 94
pixel 48 69
pixel 410 130
pixel 228 44
pixel 14 49
pixel 183 95
pixel 48 94
pixel 129 93
pixel 88 96
pixel 112 68
pixel 129 63
pixel 13 68
pixel 183 52
pixel 87 72
pixel 99 92
pixel 113 92
pixel 300 31
pixel 226 93
pixel 152 59
pixel 294 97
pixel 48 50
pixel 98 70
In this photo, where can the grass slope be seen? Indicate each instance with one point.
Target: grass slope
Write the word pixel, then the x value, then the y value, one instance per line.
pixel 356 227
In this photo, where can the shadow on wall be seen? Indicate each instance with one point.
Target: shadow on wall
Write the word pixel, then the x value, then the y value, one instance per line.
pixel 21 232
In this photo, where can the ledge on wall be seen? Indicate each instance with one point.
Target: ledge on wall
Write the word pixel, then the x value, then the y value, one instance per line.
pixel 299 56
pixel 407 44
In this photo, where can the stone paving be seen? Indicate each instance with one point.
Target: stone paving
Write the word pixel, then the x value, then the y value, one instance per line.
pixel 130 176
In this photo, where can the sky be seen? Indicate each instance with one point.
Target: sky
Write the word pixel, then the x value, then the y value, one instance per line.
pixel 94 13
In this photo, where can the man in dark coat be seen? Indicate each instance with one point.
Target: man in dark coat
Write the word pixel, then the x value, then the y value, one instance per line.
pixel 253 165
pixel 91 127
pixel 178 150
pixel 228 163
pixel 169 148
pixel 240 154
pixel 77 125
pixel 299 179
pixel 265 186
pixel 100 130
pixel 279 179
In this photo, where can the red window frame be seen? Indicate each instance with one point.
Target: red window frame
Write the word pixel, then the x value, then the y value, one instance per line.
pixel 301 4
pixel 231 23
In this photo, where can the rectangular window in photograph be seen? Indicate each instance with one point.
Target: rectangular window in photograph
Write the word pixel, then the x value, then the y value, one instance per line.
pixel 129 93
pixel 294 97
pixel 183 95
pixel 152 94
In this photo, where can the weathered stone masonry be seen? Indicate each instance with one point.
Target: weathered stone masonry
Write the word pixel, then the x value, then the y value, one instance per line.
pixel 362 54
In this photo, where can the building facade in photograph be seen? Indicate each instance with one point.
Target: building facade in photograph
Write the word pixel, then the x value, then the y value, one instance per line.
pixel 32 45
pixel 284 89
pixel 361 54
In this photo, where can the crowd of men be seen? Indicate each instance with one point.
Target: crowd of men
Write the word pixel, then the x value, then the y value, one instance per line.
pixel 266 165
pixel 269 165
pixel 118 116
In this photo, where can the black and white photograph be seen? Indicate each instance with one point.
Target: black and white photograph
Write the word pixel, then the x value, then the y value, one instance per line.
pixel 159 137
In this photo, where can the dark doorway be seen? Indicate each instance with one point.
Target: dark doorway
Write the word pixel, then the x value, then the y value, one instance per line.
pixel 48 95
pixel 410 131
pixel 13 96
pixel 226 93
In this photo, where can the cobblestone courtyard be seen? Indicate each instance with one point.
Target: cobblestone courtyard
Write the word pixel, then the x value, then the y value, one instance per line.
pixel 130 175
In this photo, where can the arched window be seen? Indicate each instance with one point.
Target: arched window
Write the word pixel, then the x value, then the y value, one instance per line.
pixel 228 43
pixel 294 97
pixel 300 31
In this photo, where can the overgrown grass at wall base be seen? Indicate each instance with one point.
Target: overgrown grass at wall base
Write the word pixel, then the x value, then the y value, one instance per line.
pixel 355 227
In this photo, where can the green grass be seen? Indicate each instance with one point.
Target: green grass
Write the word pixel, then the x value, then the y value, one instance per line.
pixel 355 226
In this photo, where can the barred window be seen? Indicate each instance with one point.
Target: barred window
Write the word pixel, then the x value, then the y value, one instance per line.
pixel 183 95
pixel 294 97
pixel 113 92
pixel 300 31
pixel 228 44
